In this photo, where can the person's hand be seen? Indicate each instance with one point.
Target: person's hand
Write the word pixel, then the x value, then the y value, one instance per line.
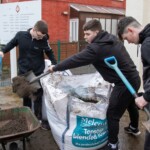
pixel 140 102
pixel 1 54
pixel 51 68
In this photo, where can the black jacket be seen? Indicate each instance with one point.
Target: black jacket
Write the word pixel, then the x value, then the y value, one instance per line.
pixel 104 45
pixel 144 37
pixel 31 52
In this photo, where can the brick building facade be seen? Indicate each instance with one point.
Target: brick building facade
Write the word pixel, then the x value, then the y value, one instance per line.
pixel 53 11
pixel 59 15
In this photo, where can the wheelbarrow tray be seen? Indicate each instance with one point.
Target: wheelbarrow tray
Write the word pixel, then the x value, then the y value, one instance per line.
pixel 8 114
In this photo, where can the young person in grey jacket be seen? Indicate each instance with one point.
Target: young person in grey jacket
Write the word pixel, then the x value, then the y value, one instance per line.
pixel 102 45
pixel 32 45
pixel 131 30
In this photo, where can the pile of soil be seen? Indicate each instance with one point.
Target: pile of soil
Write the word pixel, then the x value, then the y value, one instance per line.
pixel 14 126
pixel 23 88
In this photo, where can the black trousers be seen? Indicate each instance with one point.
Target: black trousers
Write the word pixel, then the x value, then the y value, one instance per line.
pixel 147 135
pixel 37 103
pixel 120 101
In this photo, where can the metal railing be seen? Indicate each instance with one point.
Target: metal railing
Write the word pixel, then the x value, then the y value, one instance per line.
pixel 62 50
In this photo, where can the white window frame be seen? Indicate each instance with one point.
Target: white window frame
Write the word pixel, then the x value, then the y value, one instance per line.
pixel 74 30
pixel 108 24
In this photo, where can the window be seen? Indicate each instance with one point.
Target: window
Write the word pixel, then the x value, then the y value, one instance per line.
pixel 102 23
pixel 109 25
pixel 74 29
pixel 114 26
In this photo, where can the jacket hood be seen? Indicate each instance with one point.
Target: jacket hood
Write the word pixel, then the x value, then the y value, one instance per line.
pixel 104 38
pixel 144 33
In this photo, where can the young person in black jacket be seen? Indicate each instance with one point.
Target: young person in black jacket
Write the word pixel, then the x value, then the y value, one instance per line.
pixel 103 45
pixel 131 30
pixel 32 45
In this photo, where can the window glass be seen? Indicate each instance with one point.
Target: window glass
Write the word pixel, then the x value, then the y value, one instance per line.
pixel 114 26
pixel 102 20
pixel 74 30
pixel 108 25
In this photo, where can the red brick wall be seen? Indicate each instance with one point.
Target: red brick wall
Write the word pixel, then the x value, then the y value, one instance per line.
pixel 111 3
pixel 108 3
pixel 66 50
pixel 10 1
pixel 59 24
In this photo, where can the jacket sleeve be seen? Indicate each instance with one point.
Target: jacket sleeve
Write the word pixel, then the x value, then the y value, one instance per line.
pixel 145 53
pixel 50 54
pixel 85 57
pixel 10 45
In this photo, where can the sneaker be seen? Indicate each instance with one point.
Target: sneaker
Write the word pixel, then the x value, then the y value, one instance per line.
pixel 45 125
pixel 133 131
pixel 13 146
pixel 109 147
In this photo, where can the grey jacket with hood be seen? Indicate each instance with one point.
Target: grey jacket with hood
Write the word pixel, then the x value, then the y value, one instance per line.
pixel 144 40
pixel 103 45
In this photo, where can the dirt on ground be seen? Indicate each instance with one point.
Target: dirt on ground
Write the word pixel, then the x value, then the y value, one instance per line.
pixel 43 140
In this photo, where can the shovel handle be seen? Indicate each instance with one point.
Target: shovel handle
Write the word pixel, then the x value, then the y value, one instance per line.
pixel 39 77
pixel 112 63
pixel 0 65
pixel 147 112
pixel 0 60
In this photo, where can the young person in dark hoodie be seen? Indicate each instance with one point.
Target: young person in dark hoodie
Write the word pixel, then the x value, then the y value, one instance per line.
pixel 103 45
pixel 131 30
pixel 32 45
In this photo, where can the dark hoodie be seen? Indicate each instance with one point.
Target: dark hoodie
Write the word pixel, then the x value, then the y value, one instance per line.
pixel 144 39
pixel 104 45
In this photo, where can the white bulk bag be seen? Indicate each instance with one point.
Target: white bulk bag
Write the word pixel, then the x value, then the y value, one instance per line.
pixel 76 124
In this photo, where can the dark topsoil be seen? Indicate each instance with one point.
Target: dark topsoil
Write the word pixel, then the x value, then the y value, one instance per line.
pixel 14 126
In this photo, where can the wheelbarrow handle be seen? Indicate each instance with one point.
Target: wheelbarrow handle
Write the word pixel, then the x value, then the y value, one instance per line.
pixel 112 63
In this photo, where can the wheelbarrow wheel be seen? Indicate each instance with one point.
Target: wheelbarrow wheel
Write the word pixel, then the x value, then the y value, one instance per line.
pixel 13 146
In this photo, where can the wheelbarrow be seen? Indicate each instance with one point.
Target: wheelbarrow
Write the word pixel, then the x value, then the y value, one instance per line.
pixel 112 63
pixel 8 132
